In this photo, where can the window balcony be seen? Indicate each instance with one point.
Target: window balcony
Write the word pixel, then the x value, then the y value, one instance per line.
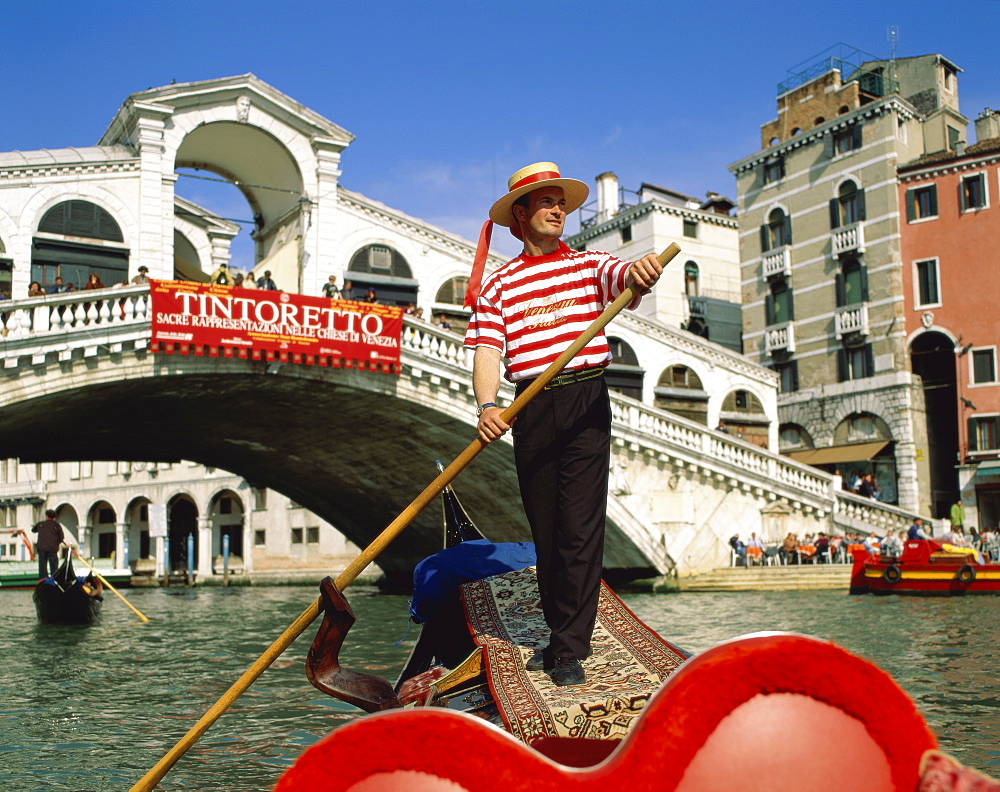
pixel 849 239
pixel 777 262
pixel 851 319
pixel 780 338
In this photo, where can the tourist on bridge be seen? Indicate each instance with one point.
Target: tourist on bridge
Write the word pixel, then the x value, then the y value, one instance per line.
pixel 58 287
pixel 142 277
pixel 528 312
pixel 264 282
pixel 331 289
pixel 249 281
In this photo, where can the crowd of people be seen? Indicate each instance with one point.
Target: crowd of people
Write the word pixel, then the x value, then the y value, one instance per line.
pixel 822 548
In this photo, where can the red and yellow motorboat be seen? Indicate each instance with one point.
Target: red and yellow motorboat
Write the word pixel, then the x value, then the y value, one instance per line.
pixel 926 566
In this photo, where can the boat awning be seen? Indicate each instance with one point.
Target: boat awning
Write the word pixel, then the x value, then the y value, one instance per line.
pixel 832 455
pixel 988 470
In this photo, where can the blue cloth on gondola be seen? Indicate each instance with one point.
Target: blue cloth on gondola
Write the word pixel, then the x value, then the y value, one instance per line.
pixel 437 577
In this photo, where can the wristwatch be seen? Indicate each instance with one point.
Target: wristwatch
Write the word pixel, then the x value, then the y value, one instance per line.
pixel 481 407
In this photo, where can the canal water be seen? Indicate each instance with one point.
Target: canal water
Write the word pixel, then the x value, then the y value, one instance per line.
pixel 94 708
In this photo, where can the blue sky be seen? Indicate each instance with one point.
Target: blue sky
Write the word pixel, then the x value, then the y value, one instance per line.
pixel 447 99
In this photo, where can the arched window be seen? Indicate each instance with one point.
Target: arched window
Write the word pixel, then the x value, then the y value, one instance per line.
pixel 819 120
pixel 60 249
pixel 691 279
pixel 452 292
pixel 6 266
pixel 680 391
pixel 744 417
pixel 383 269
pixel 792 437
pixel 624 374
pixel 849 205
pixel 779 229
pixel 382 260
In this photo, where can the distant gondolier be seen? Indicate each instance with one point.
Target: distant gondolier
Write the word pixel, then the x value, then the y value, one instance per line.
pixel 526 313
pixel 50 537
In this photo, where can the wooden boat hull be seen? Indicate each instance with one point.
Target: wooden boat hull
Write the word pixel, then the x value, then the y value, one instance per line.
pixel 924 569
pixel 64 598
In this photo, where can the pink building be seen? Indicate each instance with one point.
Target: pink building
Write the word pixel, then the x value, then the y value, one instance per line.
pixel 950 255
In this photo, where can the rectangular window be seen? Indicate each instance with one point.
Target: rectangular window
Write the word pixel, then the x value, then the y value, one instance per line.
pixel 691 229
pixel 954 136
pixel 985 433
pixel 856 362
pixel 921 203
pixel 974 192
pixel 312 534
pixel 260 498
pixel 984 366
pixel 928 293
pixel 260 538
pixel 847 140
pixel 296 536
pixel 774 170
pixel 626 233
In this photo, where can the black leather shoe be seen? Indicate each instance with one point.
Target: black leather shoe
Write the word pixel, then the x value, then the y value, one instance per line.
pixel 539 661
pixel 567 671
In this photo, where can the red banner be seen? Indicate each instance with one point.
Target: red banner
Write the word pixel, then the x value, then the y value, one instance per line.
pixel 200 318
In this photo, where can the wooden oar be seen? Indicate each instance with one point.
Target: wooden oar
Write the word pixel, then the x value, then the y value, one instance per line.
pixel 370 553
pixel 104 582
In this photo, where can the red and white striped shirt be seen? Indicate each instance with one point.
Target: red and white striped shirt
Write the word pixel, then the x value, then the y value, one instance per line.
pixel 533 307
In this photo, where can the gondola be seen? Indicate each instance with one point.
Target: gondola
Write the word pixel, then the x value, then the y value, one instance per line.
pixel 65 598
pixel 927 567
pixel 446 724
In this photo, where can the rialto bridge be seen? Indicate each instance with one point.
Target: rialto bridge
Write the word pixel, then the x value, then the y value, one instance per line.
pixel 79 382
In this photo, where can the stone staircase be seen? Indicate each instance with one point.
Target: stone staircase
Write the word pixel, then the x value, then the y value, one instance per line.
pixel 803 577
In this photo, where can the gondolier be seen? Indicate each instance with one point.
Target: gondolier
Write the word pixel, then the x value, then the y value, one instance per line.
pixel 50 537
pixel 525 314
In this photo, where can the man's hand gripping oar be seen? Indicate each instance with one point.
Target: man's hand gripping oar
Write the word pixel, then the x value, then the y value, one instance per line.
pixel 370 553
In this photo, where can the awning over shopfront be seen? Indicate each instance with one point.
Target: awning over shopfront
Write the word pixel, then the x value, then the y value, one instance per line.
pixel 988 469
pixel 834 455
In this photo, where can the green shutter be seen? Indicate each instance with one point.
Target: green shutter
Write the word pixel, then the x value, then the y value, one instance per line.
pixel 934 209
pixel 769 309
pixel 869 361
pixel 843 374
pixel 864 283
pixel 911 208
pixel 861 204
pixel 764 239
pixel 788 229
pixel 841 292
pixel 834 213
pixel 856 137
pixel 973 435
pixel 791 305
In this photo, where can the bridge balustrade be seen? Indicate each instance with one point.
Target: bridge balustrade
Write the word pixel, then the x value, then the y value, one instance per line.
pixel 32 327
pixel 28 325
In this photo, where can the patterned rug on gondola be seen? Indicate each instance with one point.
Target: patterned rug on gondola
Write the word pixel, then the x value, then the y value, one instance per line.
pixel 627 664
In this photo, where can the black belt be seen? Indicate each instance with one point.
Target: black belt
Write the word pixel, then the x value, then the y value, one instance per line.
pixel 567 378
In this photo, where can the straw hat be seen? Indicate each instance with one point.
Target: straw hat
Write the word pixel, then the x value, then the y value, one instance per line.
pixel 541 174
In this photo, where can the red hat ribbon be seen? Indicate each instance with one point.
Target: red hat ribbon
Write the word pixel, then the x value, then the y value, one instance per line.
pixel 479 265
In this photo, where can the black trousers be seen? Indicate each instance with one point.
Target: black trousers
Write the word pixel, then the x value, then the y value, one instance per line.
pixel 562 448
pixel 47 558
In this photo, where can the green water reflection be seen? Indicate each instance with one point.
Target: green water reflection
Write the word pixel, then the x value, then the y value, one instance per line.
pixel 93 708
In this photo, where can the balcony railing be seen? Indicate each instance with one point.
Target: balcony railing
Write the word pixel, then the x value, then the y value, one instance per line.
pixel 849 239
pixel 777 262
pixel 780 338
pixel 698 306
pixel 851 319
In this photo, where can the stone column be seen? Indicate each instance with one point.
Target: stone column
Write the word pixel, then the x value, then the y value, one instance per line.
pixel 121 529
pixel 205 548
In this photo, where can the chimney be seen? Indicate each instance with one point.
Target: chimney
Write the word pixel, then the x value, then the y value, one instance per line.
pixel 987 125
pixel 607 196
